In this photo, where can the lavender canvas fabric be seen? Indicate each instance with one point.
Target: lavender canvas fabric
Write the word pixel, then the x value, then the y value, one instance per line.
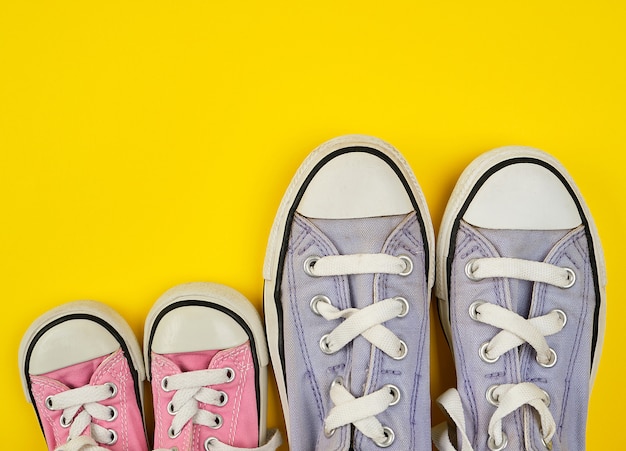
pixel 309 372
pixel 567 383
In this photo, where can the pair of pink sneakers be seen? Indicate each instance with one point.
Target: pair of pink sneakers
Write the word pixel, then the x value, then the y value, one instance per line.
pixel 205 355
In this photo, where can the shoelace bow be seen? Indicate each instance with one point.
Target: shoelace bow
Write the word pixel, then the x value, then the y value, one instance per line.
pixel 514 331
pixel 80 406
pixel 366 322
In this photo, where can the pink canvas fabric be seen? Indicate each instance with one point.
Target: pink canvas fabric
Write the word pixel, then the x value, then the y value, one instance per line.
pixel 240 421
pixel 112 369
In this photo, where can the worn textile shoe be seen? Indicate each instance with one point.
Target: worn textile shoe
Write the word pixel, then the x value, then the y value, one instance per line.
pixel 207 359
pixel 521 291
pixel 348 273
pixel 81 367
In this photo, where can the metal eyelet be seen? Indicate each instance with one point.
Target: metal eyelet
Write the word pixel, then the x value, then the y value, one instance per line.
pixel 223 399
pixel 328 433
pixel 230 374
pixel 491 396
pixel 324 345
pixel 403 351
pixel 546 400
pixel 551 361
pixel 547 445
pixel 395 393
pixel 208 442
pixel 309 264
pixel 337 381
pixel 172 433
pixel 469 270
pixel 408 266
pixel 164 384
pixel 113 415
pixel 571 278
pixel 316 300
pixel 562 316
pixel 112 389
pixel 113 438
pixel 405 306
pixel 65 423
pixel 219 422
pixel 390 437
pixel 483 354
pixel 473 309
pixel 491 443
pixel 49 403
pixel 170 408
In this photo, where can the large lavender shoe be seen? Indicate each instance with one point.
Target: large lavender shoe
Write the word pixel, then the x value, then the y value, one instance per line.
pixel 348 273
pixel 521 291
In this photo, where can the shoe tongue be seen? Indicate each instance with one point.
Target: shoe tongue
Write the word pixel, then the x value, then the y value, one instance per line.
pixel 531 245
pixel 77 375
pixel 358 236
pixel 192 361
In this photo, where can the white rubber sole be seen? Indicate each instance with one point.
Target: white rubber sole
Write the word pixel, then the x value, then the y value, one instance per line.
pixel 239 308
pixel 463 189
pixel 279 228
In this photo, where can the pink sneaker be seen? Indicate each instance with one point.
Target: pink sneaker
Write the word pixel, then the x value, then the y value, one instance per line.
pixel 206 356
pixel 82 369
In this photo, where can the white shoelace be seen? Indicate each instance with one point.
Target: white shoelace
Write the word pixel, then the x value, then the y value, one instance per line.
pixel 271 444
pixel 192 388
pixel 79 406
pixel 82 443
pixel 212 444
pixel 366 322
pixel 515 330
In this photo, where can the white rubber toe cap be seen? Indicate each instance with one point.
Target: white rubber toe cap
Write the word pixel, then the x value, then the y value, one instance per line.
pixel 355 185
pixel 196 328
pixel 73 341
pixel 523 196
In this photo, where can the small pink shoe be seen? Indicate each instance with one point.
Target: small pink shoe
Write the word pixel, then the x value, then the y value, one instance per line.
pixel 206 356
pixel 82 369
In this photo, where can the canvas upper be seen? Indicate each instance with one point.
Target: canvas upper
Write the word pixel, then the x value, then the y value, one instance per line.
pixel 82 370
pixel 348 273
pixel 521 297
pixel 207 360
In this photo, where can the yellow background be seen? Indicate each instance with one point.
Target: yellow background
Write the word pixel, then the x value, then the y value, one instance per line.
pixel 148 143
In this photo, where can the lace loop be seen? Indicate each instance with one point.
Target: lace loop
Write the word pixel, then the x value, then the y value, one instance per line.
pixel 345 265
pixel 515 268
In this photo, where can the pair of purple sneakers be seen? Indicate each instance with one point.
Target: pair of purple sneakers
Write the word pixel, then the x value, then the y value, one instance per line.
pixel 204 352
pixel 520 284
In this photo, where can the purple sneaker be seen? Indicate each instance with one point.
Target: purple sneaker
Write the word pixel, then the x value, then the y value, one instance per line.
pixel 82 369
pixel 205 350
pixel 348 273
pixel 521 291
